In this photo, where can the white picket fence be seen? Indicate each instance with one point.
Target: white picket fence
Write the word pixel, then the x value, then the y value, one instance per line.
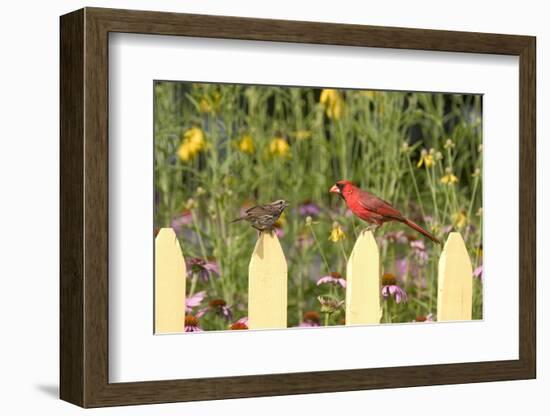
pixel 267 283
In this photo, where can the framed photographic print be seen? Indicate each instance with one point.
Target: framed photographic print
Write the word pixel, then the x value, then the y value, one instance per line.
pixel 256 207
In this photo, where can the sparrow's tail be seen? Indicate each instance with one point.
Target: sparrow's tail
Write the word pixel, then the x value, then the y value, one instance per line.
pixel 421 230
pixel 236 219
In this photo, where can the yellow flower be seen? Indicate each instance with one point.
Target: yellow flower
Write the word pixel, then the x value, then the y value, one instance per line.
pixel 337 234
pixel 302 134
pixel 246 144
pixel 460 219
pixel 425 159
pixel 449 178
pixel 279 147
pixel 210 104
pixel 405 147
pixel 281 221
pixel 331 100
pixel 449 144
pixel 204 106
pixel 193 142
pixel 476 173
pixel 479 251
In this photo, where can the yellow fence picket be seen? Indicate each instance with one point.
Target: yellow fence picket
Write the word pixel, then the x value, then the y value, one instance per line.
pixel 363 282
pixel 267 284
pixel 454 297
pixel 169 283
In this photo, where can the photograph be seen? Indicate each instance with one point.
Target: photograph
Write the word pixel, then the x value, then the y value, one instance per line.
pixel 269 188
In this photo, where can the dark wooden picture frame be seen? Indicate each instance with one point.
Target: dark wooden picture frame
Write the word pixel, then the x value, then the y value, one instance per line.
pixel 84 207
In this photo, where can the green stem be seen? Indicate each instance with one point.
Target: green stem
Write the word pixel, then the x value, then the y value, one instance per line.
pixel 193 284
pixel 416 187
pixel 387 312
pixel 198 232
pixel 319 248
pixel 343 251
pixel 431 180
pixel 476 180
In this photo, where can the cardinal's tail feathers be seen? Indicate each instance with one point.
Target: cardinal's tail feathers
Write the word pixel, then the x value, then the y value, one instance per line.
pixel 421 230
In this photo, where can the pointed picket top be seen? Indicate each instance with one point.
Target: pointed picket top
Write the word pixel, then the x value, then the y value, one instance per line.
pixel 454 297
pixel 170 274
pixel 267 284
pixel 363 282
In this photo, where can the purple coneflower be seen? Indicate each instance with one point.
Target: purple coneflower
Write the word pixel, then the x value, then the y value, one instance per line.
pixel 218 306
pixel 178 222
pixel 424 318
pixel 309 208
pixel 192 324
pixel 334 278
pixel 240 324
pixel 396 237
pixel 419 250
pixel 402 266
pixel 311 319
pixel 478 272
pixel 194 300
pixel 447 229
pixel 391 289
pixel 204 268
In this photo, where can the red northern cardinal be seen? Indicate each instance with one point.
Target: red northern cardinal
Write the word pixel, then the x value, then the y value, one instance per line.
pixel 372 209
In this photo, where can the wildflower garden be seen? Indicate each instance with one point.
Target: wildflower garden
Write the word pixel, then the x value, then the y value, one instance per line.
pixel 220 149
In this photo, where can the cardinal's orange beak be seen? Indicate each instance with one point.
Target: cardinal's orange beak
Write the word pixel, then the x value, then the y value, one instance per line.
pixel 334 189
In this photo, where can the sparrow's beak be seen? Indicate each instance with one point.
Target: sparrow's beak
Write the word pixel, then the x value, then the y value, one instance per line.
pixel 334 189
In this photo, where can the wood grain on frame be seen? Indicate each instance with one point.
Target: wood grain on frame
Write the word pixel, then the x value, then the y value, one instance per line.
pixel 84 207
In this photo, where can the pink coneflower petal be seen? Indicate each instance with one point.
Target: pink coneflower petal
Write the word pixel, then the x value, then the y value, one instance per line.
pixel 396 237
pixel 202 312
pixel 418 245
pixel 394 291
pixel 212 266
pixel 181 220
pixel 402 266
pixel 193 329
pixel 478 272
pixel 243 320
pixel 194 301
pixel 447 229
pixel 333 278
pixel 308 325
pixel 203 268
